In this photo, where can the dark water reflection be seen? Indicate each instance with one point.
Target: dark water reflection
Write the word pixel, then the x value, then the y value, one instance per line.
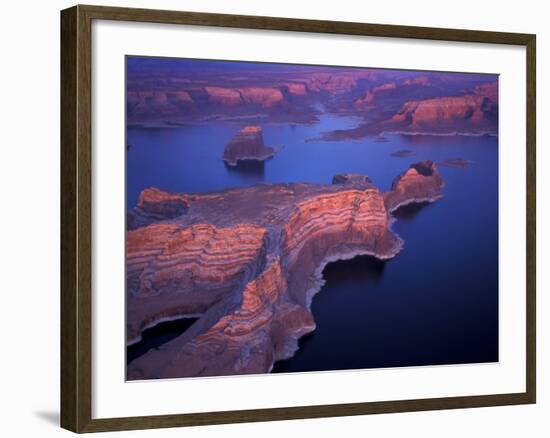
pixel 408 212
pixel 253 170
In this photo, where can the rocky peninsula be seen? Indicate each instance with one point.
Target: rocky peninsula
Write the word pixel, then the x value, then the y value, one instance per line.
pixel 247 262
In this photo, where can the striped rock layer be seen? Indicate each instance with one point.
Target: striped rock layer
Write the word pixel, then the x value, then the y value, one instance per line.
pixel 248 262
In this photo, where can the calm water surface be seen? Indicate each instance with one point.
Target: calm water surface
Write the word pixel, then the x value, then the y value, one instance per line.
pixel 436 302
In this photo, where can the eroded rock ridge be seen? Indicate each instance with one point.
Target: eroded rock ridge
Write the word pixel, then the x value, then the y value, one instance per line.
pixel 248 262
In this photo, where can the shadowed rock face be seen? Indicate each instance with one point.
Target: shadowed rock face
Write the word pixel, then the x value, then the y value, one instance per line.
pixel 166 97
pixel 417 106
pixel 262 96
pixel 153 205
pixel 248 261
pixel 248 144
pixel 422 182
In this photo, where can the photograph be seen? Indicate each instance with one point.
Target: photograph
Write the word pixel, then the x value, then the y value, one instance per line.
pixel 292 218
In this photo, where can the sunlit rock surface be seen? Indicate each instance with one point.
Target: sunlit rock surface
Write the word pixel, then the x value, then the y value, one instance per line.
pixel 422 182
pixel 248 262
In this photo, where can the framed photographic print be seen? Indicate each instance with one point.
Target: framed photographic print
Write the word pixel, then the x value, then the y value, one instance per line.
pixel 343 224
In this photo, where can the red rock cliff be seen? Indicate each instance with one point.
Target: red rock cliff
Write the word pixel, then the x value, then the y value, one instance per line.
pixel 248 261
pixel 471 112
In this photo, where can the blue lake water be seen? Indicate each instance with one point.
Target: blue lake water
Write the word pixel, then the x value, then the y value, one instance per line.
pixel 435 303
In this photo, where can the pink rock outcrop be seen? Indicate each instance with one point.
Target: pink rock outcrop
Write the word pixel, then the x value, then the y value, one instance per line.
pixel 367 101
pixel 421 182
pixel 443 109
pixel 489 90
pixel 468 112
pixel 159 103
pixel 248 262
pixel 263 96
pixel 296 88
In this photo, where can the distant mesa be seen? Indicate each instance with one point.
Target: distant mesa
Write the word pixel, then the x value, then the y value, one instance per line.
pixel 419 80
pixel 247 145
pixel 367 101
pixel 403 153
pixel 474 112
pixel 386 101
pixel 263 96
pixel 247 262
pixel 158 99
pixel 429 113
pixel 154 205
pixel 419 114
pixel 296 88
pixel 459 163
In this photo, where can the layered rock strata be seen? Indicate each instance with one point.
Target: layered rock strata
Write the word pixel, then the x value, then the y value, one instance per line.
pixel 426 111
pixel 248 144
pixel 248 262
pixel 421 182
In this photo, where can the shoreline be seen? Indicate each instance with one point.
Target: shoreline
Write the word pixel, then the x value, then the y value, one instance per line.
pixel 292 344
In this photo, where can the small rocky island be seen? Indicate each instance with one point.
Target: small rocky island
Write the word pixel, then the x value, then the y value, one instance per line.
pixel 247 262
pixel 458 163
pixel 247 145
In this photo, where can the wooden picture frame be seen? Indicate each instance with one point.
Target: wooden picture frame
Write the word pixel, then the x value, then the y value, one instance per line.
pixel 76 217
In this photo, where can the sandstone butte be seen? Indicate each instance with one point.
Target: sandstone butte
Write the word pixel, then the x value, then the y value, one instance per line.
pixel 247 262
pixel 248 144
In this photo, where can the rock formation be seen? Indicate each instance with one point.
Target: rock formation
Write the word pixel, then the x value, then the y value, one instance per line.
pixel 248 262
pixel 473 112
pixel 248 144
pixel 168 97
pixel 296 88
pixel 417 106
pixel 367 101
pixel 160 103
pixel 352 178
pixel 444 112
pixel 262 96
pixel 419 80
pixel 422 182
